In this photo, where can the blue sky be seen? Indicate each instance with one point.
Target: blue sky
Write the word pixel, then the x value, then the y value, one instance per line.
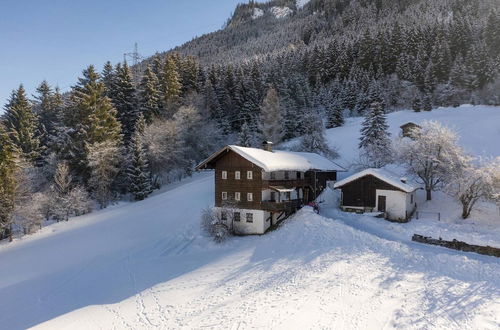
pixel 56 39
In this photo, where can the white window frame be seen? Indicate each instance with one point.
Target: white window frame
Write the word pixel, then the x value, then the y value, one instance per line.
pixel 224 196
pixel 250 175
pixel 224 175
pixel 249 216
pixel 250 197
pixel 237 175
pixel 237 216
pixel 237 196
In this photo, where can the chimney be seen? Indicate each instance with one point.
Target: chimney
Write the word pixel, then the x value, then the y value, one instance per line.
pixel 267 146
pixel 404 180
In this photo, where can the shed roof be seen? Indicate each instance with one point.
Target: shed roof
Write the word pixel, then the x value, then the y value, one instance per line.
pixel 381 174
pixel 409 124
pixel 278 160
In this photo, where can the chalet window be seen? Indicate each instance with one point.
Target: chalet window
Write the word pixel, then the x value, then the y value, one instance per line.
pixel 224 196
pixel 237 216
pixel 237 196
pixel 224 175
pixel 273 196
pixel 273 176
pixel 223 216
pixel 287 175
pixel 249 217
pixel 249 175
pixel 237 175
pixel 287 195
pixel 249 197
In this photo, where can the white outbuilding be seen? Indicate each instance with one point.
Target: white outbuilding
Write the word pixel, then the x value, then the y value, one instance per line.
pixel 379 190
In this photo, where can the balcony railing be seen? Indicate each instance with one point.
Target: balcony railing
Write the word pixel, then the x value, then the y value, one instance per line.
pixel 287 206
pixel 287 183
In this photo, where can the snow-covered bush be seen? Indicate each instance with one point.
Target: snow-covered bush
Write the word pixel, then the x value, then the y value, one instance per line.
pixel 429 155
pixel 104 160
pixel 64 199
pixel 218 222
pixel 469 183
pixel 163 149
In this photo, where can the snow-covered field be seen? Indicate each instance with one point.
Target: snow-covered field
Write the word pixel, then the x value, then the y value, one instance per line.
pixel 146 265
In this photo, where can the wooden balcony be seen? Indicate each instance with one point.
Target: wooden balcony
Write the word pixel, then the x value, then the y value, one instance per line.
pixel 287 206
pixel 286 183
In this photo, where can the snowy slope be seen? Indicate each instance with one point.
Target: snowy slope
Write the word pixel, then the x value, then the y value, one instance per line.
pixel 146 265
pixel 477 126
pixel 301 3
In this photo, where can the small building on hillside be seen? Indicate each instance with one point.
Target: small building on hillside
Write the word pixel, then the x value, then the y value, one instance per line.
pixel 374 190
pixel 261 187
pixel 408 129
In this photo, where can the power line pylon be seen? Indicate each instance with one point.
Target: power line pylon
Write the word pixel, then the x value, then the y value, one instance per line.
pixel 135 58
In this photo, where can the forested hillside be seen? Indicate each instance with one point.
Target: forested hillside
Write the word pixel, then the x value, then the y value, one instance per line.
pixel 276 71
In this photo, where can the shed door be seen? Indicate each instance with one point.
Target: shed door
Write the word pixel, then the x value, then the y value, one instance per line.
pixel 381 203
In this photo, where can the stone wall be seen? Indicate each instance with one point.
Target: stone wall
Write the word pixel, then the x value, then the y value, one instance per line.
pixel 458 245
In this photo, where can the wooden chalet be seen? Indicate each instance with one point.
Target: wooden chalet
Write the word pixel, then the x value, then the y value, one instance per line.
pixel 263 186
pixel 408 129
pixel 377 190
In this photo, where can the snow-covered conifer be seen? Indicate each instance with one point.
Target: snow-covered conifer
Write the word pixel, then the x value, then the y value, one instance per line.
pixel 139 179
pixel 21 125
pixel 375 143
pixel 125 100
pixel 313 139
pixel 270 118
pixel 149 95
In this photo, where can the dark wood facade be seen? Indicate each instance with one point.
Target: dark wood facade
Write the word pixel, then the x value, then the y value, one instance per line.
pixel 362 192
pixel 408 129
pixel 231 162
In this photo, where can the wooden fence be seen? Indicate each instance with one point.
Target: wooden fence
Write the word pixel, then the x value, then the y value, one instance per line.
pixel 458 245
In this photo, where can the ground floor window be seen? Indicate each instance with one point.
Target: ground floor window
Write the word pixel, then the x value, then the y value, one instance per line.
pixel 249 197
pixel 224 195
pixel 237 216
pixel 223 216
pixel 249 217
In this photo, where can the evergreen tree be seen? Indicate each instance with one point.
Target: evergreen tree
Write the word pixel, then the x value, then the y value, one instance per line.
pixel 46 106
pixel 374 141
pixel 149 95
pixel 313 139
pixel 7 183
pixel 492 34
pixel 22 125
pixel 417 103
pixel 93 120
pixel 108 78
pixel 335 114
pixel 270 118
pixel 171 86
pixel 427 102
pixel 138 172
pixel 246 137
pixel 125 101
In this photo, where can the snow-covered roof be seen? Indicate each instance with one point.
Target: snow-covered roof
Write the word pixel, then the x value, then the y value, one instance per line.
pixel 381 174
pixel 278 160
